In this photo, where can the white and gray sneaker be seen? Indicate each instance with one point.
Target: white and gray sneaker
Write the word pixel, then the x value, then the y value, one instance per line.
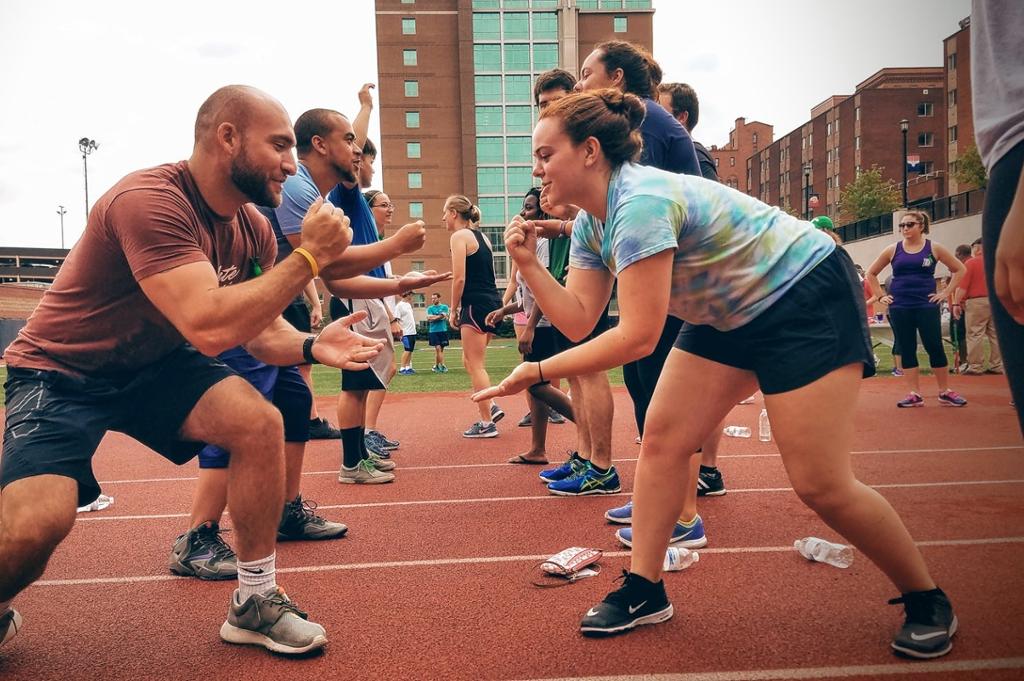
pixel 10 622
pixel 271 620
pixel 481 429
pixel 365 473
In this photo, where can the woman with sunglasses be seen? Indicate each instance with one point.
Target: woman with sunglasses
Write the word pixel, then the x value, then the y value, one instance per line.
pixel 914 304
pixel 767 300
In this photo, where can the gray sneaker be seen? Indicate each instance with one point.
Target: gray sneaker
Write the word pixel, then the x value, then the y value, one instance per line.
pixel 496 413
pixel 272 621
pixel 365 473
pixel 298 521
pixel 382 440
pixel 481 429
pixel 380 463
pixel 10 622
pixel 202 552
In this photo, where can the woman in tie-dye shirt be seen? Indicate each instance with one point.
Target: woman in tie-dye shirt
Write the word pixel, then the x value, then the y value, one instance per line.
pixel 768 302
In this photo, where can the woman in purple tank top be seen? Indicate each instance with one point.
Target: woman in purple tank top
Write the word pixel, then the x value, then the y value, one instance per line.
pixel 914 304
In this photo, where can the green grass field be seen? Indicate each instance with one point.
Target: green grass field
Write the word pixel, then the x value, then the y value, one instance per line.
pixel 501 358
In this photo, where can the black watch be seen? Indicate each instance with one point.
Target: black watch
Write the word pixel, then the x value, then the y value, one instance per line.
pixel 307 350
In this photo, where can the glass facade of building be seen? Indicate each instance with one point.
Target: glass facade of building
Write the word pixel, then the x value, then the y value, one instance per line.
pixel 513 42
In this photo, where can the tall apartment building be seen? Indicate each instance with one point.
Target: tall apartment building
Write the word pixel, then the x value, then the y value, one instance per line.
pixel 456 106
pixel 847 133
pixel 959 111
pixel 745 140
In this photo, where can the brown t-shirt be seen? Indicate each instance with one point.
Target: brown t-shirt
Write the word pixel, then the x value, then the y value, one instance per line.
pixel 95 319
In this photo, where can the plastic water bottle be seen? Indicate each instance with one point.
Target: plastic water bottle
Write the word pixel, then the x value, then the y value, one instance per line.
pixel 764 427
pixel 736 431
pixel 677 558
pixel 821 551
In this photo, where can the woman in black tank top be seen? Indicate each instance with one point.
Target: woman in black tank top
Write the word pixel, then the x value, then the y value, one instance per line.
pixel 474 295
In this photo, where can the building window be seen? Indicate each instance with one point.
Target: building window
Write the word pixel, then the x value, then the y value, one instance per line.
pixel 408 26
pixel 487 58
pixel 419 300
pixel 490 180
pixel 856 114
pixel 545 57
pixel 485 4
pixel 519 149
pixel 415 180
pixel 619 25
pixel 545 25
pixel 516 25
pixel 409 57
pixel 716 162
pixel 925 109
pixel 412 88
pixel 518 119
pixel 486 26
pixel 412 119
pixel 856 142
pixel 415 209
pixel 490 150
pixel 488 119
pixel 952 98
pixel 496 236
pixel 520 178
pixel 492 210
pixel 925 139
pixel 408 2
pixel 517 57
pixel 416 266
pixel 518 88
pixel 837 126
pixel 828 128
pixel 412 150
pixel 953 133
pixel 927 167
pixel 487 88
pixel 951 62
pixel 732 161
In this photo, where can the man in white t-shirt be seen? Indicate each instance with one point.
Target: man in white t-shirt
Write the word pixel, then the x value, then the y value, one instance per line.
pixel 403 310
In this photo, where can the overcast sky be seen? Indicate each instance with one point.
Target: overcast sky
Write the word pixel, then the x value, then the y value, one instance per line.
pixel 131 75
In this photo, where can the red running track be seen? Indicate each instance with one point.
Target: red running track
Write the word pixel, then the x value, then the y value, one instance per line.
pixel 432 581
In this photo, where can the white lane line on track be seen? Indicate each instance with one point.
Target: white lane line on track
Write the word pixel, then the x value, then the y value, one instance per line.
pixel 503 464
pixel 869 671
pixel 441 562
pixel 547 497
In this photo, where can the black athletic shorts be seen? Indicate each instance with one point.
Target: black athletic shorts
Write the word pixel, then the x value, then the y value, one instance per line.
pixel 602 325
pixel 435 338
pixel 475 313
pixel 544 344
pixel 55 421
pixel 353 381
pixel 297 314
pixel 817 326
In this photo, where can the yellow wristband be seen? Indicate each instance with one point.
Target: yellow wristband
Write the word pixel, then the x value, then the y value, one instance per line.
pixel 310 259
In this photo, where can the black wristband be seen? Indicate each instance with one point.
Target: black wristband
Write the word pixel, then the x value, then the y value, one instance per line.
pixel 307 350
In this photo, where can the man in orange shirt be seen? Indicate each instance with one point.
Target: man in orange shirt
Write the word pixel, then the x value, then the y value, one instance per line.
pixel 973 295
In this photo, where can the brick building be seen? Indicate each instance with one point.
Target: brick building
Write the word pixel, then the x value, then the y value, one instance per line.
pixel 959 112
pixel 456 107
pixel 744 141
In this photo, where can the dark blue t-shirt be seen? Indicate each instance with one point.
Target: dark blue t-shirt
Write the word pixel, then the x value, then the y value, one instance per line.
pixel 364 229
pixel 667 145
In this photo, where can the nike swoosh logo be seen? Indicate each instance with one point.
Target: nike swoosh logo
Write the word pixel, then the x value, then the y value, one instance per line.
pixel 925 637
pixel 633 609
pixel 592 612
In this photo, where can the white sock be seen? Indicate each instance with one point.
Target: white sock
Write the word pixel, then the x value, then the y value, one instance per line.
pixel 255 576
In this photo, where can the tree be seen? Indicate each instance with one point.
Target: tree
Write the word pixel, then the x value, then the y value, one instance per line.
pixel 869 195
pixel 970 171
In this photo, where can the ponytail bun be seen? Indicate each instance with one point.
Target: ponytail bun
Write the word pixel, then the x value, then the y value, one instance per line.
pixel 624 104
pixel 474 213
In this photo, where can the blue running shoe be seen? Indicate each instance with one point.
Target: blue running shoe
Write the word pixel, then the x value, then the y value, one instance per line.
pixel 623 515
pixel 588 481
pixel 573 465
pixel 691 537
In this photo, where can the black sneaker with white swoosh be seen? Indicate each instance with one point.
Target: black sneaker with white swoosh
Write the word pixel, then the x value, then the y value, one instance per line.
pixel 638 601
pixel 929 626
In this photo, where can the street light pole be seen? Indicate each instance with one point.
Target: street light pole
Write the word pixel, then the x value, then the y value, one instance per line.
pixel 807 191
pixel 62 212
pixel 86 146
pixel 904 127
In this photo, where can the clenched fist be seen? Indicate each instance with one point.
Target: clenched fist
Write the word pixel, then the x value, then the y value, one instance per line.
pixel 411 237
pixel 325 232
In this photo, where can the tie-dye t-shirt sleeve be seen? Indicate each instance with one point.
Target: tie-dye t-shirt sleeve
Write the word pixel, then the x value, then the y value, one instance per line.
pixel 641 226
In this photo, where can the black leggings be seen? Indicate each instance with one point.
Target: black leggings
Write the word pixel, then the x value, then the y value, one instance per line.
pixel 907 323
pixel 641 376
pixel 1002 185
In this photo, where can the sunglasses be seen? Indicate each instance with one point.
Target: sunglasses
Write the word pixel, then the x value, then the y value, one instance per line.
pixel 909 224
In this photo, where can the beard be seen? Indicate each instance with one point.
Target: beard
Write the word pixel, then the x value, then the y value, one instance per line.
pixel 346 174
pixel 252 181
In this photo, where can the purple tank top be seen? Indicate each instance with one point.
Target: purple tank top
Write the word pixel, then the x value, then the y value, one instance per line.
pixel 913 277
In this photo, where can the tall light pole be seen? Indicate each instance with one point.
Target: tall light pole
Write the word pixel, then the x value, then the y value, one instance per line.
pixel 87 146
pixel 904 127
pixel 807 191
pixel 61 212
